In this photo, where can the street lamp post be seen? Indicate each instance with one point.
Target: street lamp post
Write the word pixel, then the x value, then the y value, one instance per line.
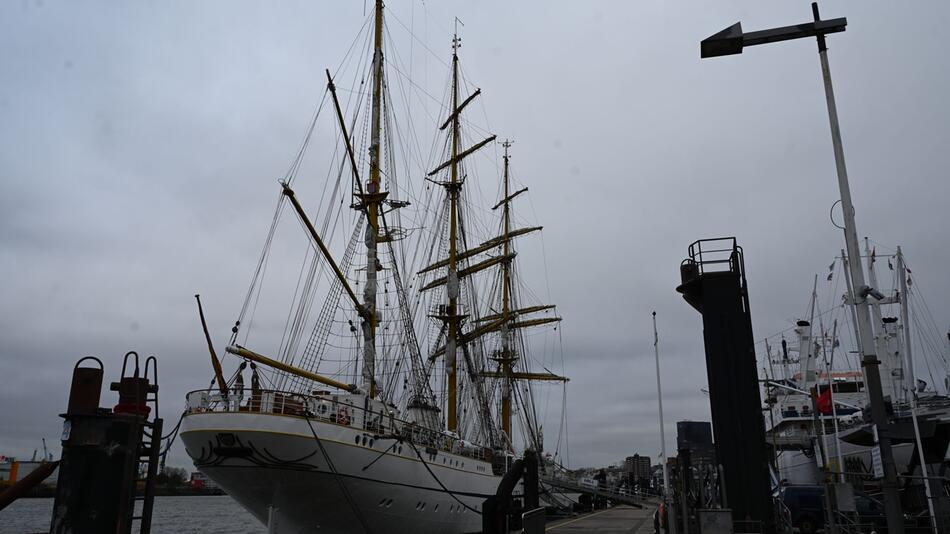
pixel 731 41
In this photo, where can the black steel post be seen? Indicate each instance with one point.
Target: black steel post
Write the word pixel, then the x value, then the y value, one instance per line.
pixel 714 284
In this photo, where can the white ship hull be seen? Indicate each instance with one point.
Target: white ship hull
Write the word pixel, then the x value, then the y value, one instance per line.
pixel 274 466
pixel 797 468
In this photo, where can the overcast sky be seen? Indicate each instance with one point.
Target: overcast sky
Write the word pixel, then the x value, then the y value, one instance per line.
pixel 140 142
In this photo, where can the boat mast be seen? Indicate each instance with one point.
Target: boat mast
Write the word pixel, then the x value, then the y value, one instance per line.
pixel 372 198
pixel 452 282
pixel 889 363
pixel 506 357
pixel 905 322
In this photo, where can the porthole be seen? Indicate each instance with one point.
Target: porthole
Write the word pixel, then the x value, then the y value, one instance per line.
pixel 357 440
pixel 370 442
pixel 382 503
pixel 364 441
pixel 436 509
pixel 423 506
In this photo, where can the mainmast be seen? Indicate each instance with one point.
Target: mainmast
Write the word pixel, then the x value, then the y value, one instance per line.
pixel 371 198
pixel 452 282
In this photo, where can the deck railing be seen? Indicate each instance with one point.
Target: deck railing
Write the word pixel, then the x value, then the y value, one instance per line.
pixel 336 409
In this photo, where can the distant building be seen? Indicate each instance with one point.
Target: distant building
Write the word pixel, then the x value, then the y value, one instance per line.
pixel 12 470
pixel 637 466
pixel 696 437
pixel 693 434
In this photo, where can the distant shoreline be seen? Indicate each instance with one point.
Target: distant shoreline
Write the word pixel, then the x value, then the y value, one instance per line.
pixel 48 492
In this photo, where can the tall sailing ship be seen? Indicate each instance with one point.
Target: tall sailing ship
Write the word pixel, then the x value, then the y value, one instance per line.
pixel 414 427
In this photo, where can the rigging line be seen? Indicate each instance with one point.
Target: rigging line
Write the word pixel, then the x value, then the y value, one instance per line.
pixel 415 350
pixel 258 279
pixel 261 259
pixel 295 165
pixel 927 315
pixel 339 479
pixel 356 39
pixel 419 88
pixel 408 155
pixel 293 331
pixel 173 434
pixel 436 478
pixel 926 360
pixel 393 16
pixel 394 443
pixel 411 151
pixel 283 349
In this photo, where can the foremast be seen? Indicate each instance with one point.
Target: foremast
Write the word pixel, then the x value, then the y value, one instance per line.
pixel 371 198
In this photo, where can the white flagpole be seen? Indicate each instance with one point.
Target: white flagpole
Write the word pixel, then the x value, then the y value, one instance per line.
pixel 659 397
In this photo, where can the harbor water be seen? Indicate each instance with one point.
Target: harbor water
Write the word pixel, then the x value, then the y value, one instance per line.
pixel 173 515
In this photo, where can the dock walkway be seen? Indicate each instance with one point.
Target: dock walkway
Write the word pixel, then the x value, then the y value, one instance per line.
pixel 618 520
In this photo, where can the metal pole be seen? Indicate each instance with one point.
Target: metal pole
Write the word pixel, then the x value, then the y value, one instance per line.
pixel 830 504
pixel 659 397
pixel 834 406
pixel 851 298
pixel 872 376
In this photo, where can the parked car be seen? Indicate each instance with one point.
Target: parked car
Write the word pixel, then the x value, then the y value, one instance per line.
pixel 806 505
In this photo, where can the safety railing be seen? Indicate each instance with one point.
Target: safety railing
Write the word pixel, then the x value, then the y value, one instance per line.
pixel 335 409
pixel 715 255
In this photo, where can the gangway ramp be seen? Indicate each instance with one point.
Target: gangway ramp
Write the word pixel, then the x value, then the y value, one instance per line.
pixel 612 493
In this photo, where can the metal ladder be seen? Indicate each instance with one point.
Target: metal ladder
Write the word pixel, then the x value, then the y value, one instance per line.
pixel 148 459
pixel 147 469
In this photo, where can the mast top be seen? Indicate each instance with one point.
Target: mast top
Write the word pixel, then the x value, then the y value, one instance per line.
pixel 456 40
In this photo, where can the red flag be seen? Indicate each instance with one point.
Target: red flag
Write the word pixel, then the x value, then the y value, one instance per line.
pixel 824 402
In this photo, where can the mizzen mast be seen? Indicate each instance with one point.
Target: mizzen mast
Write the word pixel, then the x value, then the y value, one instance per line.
pixel 504 321
pixel 506 357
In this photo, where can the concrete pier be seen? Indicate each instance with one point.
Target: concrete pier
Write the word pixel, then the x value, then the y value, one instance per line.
pixel 618 520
